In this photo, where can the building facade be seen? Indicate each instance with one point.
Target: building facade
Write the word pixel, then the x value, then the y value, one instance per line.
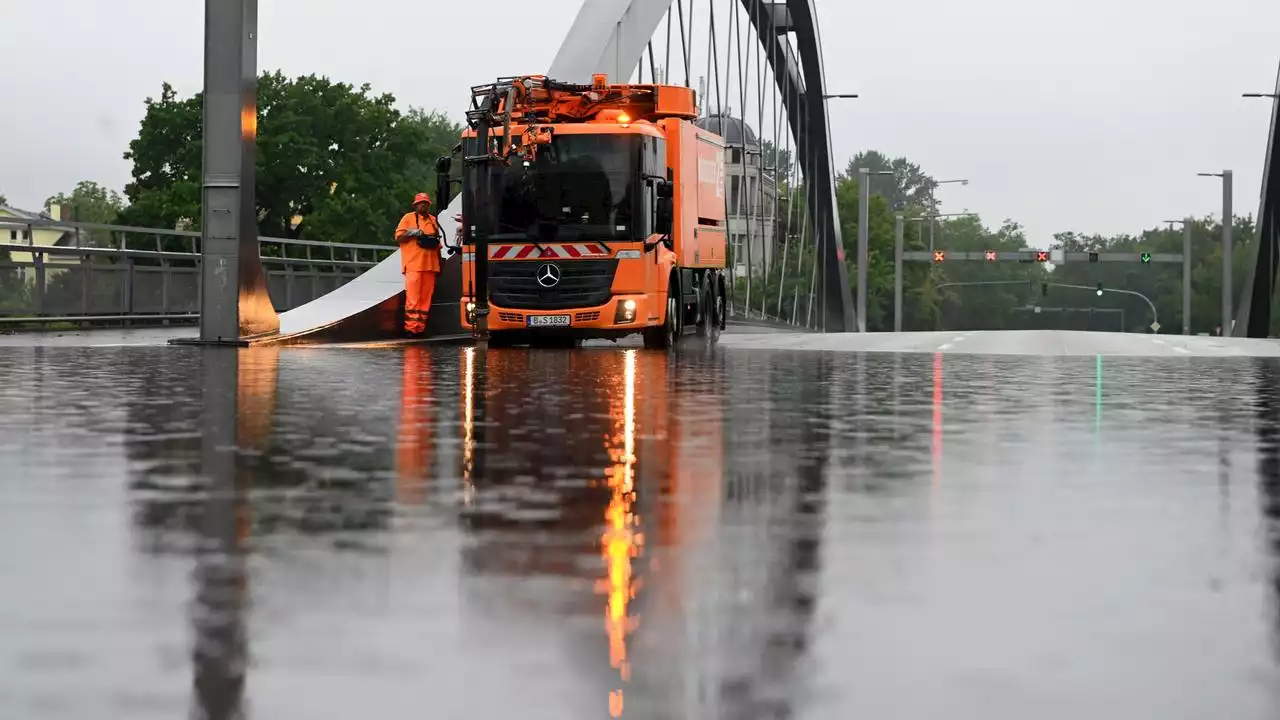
pixel 752 196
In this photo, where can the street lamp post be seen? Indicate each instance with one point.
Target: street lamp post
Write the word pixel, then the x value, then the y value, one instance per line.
pixel 1228 219
pixel 864 213
pixel 898 222
pixel 933 201
pixel 1186 271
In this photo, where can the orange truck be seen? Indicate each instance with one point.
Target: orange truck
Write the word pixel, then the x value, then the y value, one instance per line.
pixel 590 212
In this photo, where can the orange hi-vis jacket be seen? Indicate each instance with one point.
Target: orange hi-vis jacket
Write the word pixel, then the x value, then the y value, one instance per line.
pixel 414 258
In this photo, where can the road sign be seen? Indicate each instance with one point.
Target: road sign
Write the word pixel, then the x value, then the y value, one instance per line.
pixel 1042 256
pixel 1145 257
pixel 1155 327
pixel 939 256
pixel 991 256
pixel 1093 257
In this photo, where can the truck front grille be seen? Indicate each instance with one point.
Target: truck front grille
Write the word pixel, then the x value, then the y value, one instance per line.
pixel 583 283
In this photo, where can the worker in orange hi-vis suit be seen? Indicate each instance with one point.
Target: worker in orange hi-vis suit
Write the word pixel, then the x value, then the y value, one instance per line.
pixel 419 237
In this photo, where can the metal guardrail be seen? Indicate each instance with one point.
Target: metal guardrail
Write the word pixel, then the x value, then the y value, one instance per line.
pixel 88 273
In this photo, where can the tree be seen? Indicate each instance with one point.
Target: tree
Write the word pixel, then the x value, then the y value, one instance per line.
pixel 341 160
pixel 90 202
pixel 783 160
pixel 3 200
pixel 911 186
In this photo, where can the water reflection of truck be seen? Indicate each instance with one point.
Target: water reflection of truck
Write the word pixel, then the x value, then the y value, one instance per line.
pixel 602 210
pixel 628 465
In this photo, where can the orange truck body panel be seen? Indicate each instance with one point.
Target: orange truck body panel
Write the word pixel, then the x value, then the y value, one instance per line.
pixel 699 230
pixel 697 157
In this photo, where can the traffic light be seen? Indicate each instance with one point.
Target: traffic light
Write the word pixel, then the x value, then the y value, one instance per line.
pixel 1044 289
pixel 1099 289
pixel 991 256
pixel 1042 256
pixel 1093 257
pixel 939 256
pixel 1146 257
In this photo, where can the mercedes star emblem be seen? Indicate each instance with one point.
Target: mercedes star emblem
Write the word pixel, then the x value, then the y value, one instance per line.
pixel 548 275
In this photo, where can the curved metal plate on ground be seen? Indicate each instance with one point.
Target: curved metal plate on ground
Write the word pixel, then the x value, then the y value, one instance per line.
pixel 370 307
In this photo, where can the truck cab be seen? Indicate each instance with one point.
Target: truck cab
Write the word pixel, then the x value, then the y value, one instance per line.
pixel 600 213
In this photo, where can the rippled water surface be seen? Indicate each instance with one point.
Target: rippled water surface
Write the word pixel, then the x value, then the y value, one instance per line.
pixel 441 532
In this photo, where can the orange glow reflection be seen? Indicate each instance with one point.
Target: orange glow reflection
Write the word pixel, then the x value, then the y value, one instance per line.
pixel 248 123
pixel 622 541
pixel 468 425
pixel 413 446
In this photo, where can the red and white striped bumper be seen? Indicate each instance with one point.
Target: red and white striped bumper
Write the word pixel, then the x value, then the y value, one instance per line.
pixel 551 252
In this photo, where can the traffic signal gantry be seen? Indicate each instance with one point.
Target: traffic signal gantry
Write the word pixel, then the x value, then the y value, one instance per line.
pixel 1054 256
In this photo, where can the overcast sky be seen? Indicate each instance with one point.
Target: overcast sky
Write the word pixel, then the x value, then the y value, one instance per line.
pixel 1088 115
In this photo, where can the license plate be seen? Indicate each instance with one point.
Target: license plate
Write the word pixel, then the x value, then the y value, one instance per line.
pixel 548 321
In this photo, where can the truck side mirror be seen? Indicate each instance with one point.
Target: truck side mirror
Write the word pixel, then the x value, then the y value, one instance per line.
pixel 442 182
pixel 664 215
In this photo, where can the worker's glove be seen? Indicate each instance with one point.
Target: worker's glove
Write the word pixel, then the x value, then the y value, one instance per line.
pixel 448 251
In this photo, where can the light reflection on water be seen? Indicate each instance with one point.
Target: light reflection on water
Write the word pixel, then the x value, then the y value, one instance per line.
pixel 327 532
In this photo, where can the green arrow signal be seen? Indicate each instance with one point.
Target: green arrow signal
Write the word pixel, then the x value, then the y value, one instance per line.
pixel 1146 257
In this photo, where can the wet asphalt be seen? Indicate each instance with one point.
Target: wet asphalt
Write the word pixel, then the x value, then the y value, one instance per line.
pixel 736 532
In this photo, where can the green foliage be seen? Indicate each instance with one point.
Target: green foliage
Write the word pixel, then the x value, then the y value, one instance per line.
pixel 1161 282
pixel 780 158
pixel 936 296
pixel 909 186
pixel 90 202
pixel 3 200
pixel 344 160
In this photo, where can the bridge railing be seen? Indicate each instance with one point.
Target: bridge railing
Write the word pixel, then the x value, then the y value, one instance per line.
pixel 54 272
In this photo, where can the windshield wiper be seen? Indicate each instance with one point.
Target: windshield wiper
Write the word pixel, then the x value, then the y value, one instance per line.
pixel 579 234
pixel 521 235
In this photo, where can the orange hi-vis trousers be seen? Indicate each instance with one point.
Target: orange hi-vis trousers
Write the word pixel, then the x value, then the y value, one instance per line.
pixel 418 287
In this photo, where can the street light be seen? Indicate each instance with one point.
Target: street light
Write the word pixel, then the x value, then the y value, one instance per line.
pixel 1186 271
pixel 1273 96
pixel 841 96
pixel 864 213
pixel 1228 219
pixel 933 201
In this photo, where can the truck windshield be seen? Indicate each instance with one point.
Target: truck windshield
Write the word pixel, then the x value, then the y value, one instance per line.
pixel 579 187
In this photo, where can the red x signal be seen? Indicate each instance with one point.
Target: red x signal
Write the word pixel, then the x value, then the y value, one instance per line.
pixel 939 256
pixel 991 256
pixel 1042 256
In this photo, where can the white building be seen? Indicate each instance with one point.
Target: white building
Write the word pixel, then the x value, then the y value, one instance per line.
pixel 752 195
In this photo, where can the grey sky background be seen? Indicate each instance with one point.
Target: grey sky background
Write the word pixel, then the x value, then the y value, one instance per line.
pixel 1087 115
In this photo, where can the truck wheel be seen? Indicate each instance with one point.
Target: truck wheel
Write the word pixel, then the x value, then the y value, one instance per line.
pixel 709 324
pixel 666 336
pixel 722 306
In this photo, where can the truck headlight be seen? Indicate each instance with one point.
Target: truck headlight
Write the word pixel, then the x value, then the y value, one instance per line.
pixel 628 255
pixel 626 312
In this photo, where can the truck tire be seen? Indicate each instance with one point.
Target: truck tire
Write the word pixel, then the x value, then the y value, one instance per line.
pixel 722 302
pixel 709 317
pixel 667 335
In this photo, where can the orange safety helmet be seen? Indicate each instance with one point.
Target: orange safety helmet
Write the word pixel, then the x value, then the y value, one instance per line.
pixel 421 198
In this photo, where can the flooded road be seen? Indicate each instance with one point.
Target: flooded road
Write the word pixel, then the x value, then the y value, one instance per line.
pixel 441 532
